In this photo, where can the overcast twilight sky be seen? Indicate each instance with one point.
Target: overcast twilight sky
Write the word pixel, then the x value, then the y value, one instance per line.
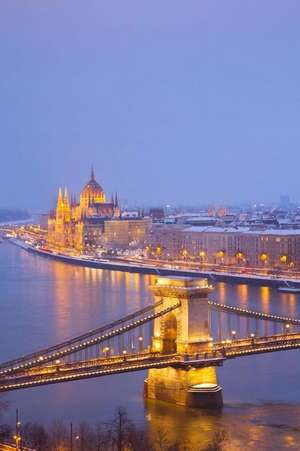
pixel 181 102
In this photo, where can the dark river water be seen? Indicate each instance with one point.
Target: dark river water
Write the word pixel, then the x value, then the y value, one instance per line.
pixel 43 302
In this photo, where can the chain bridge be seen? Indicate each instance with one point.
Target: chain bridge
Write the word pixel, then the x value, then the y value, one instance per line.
pixel 180 339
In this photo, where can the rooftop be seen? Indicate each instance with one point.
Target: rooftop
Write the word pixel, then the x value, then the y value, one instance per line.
pixel 245 230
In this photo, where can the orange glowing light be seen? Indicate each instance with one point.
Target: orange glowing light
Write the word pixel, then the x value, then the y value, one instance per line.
pixel 283 259
pixel 264 257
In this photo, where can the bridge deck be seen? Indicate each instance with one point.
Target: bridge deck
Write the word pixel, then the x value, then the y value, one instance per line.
pixel 214 355
pixel 274 343
pixel 77 344
pixel 101 367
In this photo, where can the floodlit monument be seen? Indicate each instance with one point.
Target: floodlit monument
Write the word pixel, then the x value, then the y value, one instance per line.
pixel 185 331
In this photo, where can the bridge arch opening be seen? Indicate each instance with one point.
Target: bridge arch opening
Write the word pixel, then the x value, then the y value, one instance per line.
pixel 169 334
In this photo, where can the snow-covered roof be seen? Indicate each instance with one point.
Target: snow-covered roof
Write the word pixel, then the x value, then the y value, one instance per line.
pixel 245 230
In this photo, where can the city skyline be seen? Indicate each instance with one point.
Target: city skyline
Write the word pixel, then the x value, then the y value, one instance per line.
pixel 149 225
pixel 173 104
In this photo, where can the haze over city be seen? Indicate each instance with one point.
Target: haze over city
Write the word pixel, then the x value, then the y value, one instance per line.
pixel 172 103
pixel 149 225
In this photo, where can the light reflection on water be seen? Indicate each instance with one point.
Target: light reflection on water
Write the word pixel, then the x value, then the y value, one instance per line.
pixel 43 302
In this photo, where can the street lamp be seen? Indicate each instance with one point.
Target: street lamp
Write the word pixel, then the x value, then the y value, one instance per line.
pixel 71 437
pixel 18 437
pixel 141 343
pixel 106 351
pixel 233 333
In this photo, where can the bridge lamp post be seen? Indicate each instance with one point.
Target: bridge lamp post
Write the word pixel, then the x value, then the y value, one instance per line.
pixel 18 437
pixel 124 354
pixel 106 350
pixel 211 347
pixel 18 442
pixel 233 334
pixel 252 336
pixel 287 328
pixel 71 437
pixel 141 343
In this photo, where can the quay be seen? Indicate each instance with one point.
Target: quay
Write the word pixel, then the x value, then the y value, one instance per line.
pixel 158 270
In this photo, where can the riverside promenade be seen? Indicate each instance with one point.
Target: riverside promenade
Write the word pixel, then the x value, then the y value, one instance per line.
pixel 159 269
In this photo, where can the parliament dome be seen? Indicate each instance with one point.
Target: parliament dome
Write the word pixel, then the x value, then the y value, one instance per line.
pixel 92 192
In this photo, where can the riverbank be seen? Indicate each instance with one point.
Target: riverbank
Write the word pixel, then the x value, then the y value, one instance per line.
pixel 142 268
pixel 16 222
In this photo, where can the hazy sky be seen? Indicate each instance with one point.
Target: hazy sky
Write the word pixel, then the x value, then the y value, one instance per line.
pixel 172 101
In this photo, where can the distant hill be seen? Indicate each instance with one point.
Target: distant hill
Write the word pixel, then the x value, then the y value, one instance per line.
pixel 8 214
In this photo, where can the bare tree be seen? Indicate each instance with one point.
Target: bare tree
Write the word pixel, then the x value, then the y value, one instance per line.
pixel 6 432
pixel 35 436
pixel 58 436
pixel 103 437
pixel 120 427
pixel 87 438
pixel 137 439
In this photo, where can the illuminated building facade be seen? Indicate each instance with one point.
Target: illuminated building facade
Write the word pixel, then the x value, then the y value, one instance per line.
pixel 80 225
pixel 270 248
pixel 123 233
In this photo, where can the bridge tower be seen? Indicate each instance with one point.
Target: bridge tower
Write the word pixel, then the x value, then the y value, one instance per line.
pixel 186 331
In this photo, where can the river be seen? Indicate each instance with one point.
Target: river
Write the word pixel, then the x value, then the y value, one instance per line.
pixel 43 302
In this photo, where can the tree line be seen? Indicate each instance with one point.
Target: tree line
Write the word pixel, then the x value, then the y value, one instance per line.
pixel 117 434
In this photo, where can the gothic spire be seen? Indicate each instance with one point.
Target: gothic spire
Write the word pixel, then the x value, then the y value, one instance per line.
pixel 66 198
pixel 59 199
pixel 92 173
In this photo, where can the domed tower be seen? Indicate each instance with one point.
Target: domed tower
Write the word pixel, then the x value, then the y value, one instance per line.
pixel 91 194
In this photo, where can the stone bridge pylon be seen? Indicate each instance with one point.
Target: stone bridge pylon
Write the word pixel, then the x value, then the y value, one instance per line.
pixel 186 331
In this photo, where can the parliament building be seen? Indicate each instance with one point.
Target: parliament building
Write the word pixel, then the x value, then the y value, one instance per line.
pixel 80 225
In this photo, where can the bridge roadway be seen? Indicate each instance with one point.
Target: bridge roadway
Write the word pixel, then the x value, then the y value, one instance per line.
pixel 84 370
pixel 111 330
pixel 76 344
pixel 214 355
pixel 256 345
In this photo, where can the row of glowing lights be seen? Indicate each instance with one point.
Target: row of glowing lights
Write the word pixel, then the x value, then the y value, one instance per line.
pixel 234 333
pixel 106 351
pixel 240 256
pixel 154 364
pixel 292 344
pixel 90 374
pixel 77 347
pixel 93 341
pixel 108 362
pixel 88 343
pixel 116 331
pixel 175 288
pixel 251 312
pixel 87 374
